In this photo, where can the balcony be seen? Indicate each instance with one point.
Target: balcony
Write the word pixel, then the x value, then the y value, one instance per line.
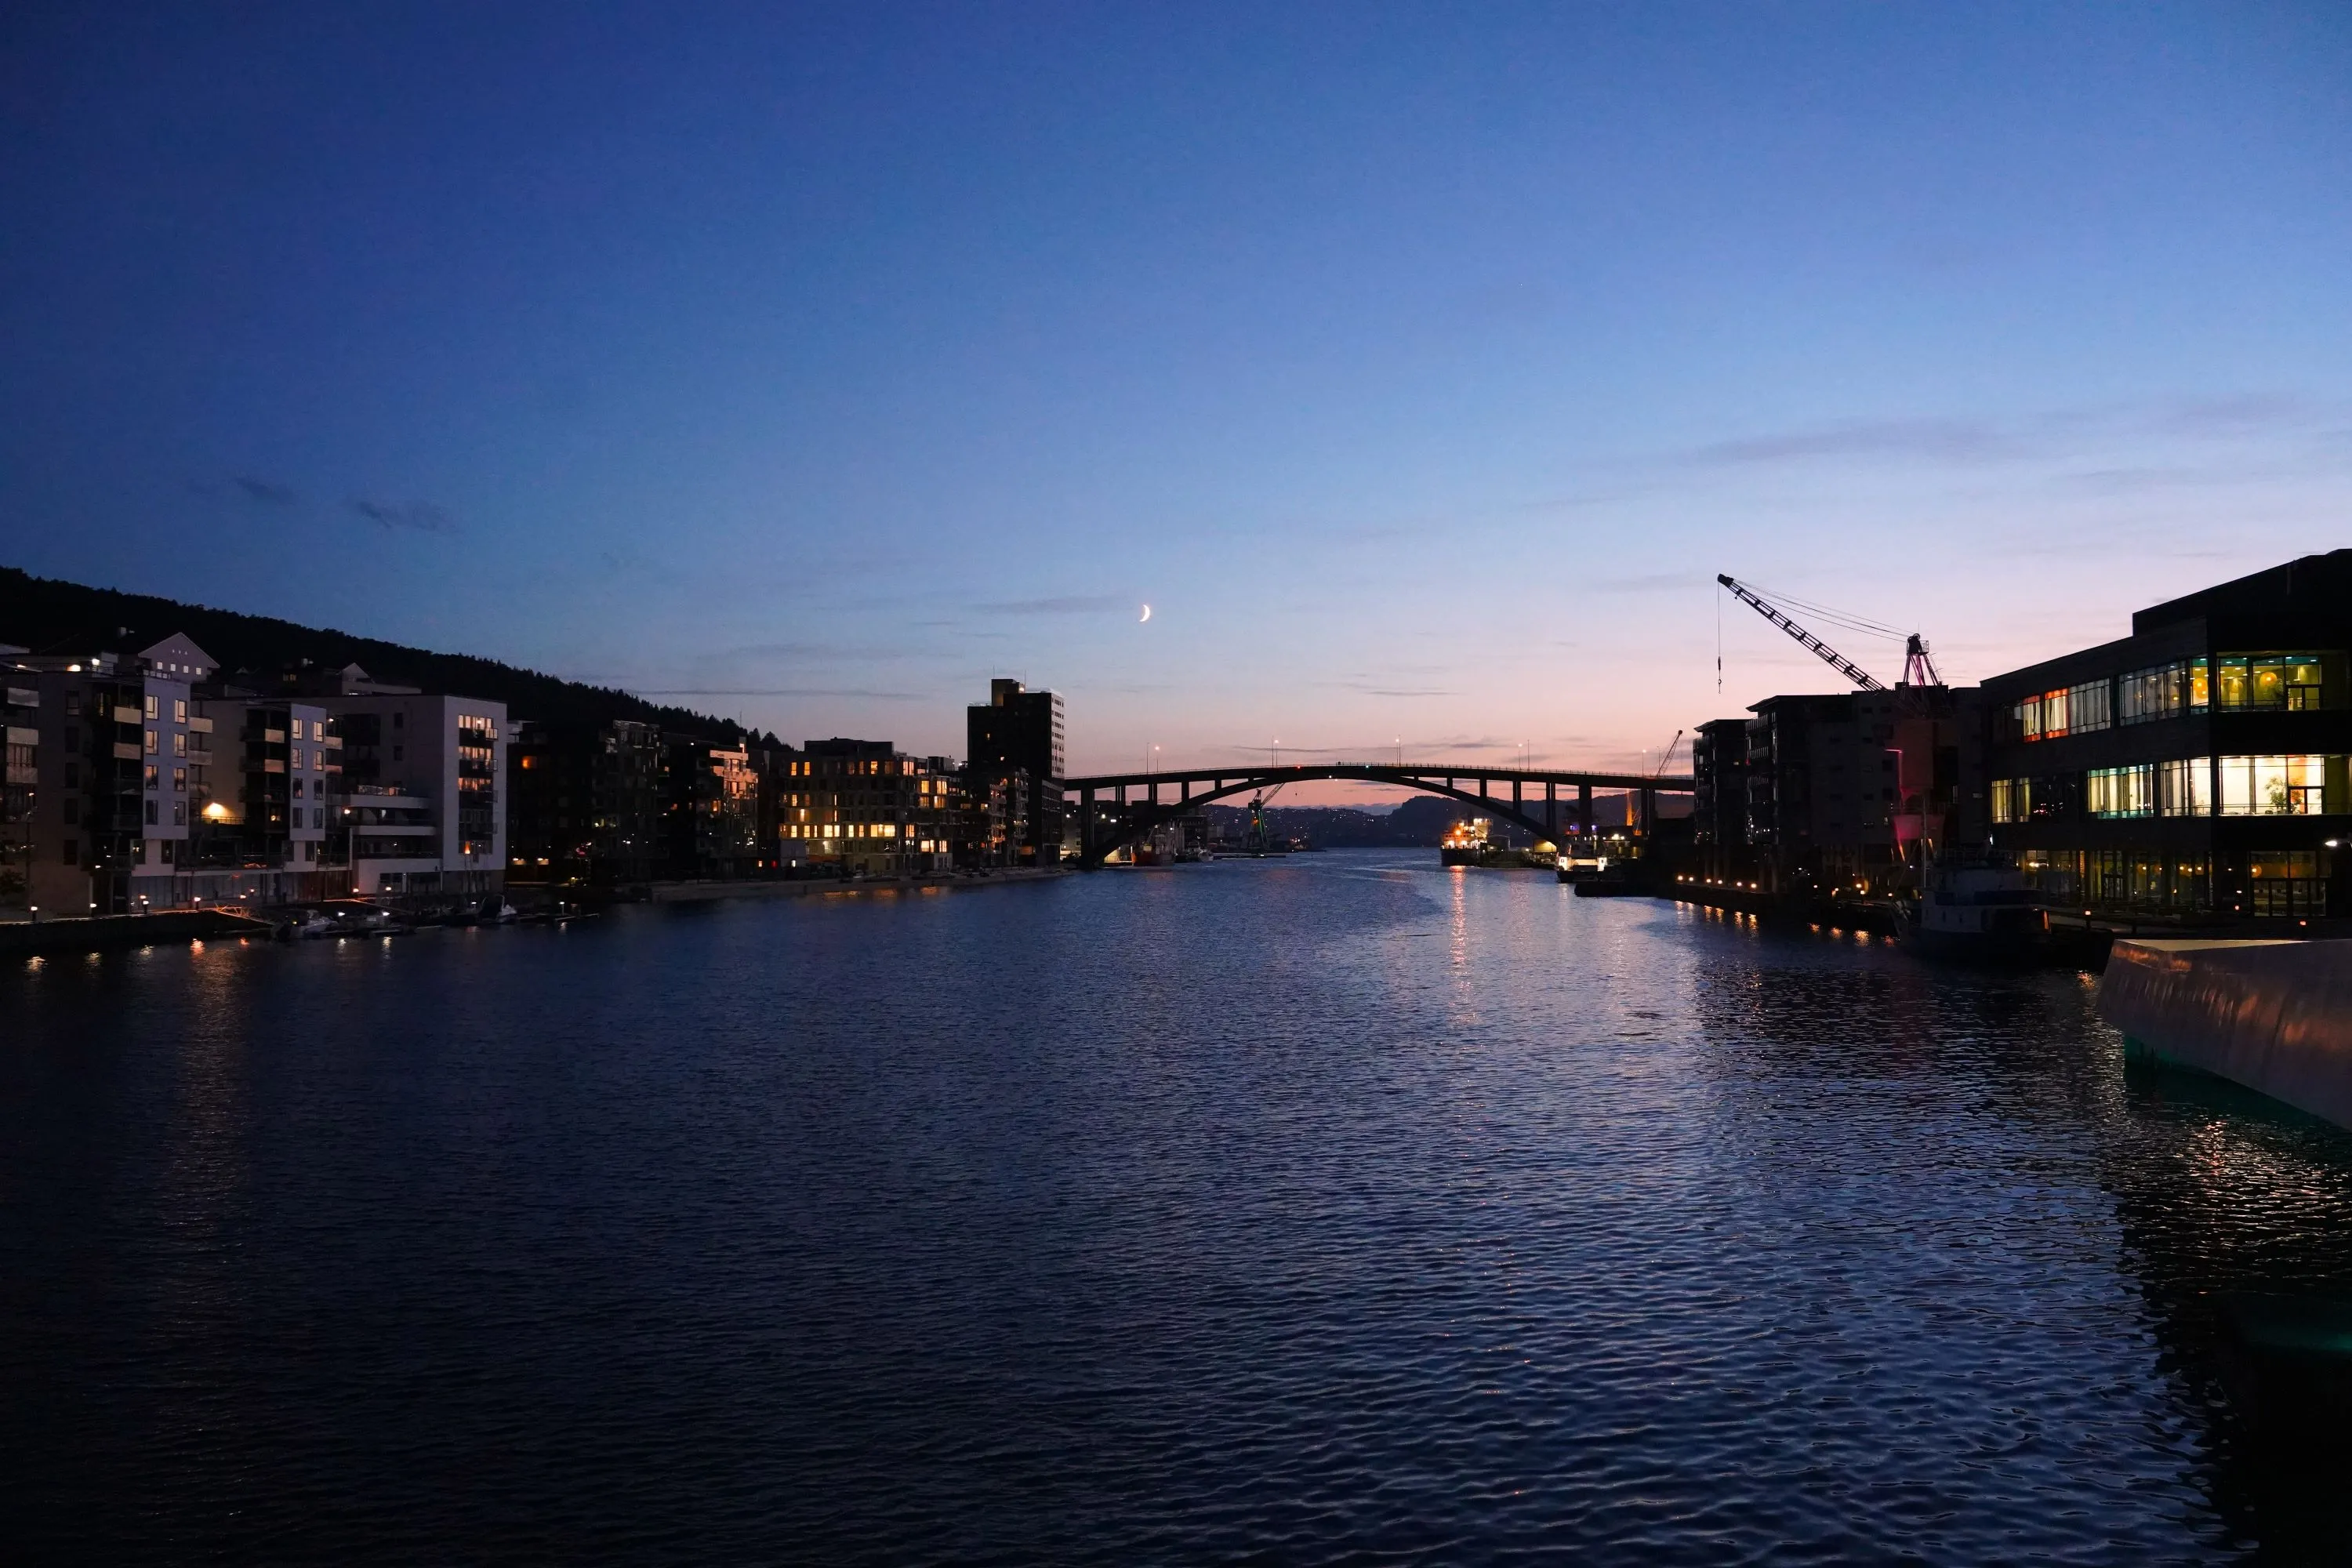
pixel 127 751
pixel 129 716
pixel 200 725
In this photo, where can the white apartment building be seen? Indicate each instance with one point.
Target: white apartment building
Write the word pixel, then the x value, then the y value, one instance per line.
pixel 422 788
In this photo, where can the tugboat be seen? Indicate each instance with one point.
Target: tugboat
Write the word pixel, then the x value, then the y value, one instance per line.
pixel 1975 909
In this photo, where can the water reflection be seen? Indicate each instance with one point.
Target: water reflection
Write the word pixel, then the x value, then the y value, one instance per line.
pixel 1335 1206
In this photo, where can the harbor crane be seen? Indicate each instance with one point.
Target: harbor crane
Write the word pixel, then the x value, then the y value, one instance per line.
pixel 1918 668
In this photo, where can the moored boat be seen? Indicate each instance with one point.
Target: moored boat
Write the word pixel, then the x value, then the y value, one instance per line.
pixel 1982 910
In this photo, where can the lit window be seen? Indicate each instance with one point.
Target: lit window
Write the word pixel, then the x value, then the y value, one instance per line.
pixel 2185 788
pixel 2277 786
pixel 2267 681
pixel 2121 792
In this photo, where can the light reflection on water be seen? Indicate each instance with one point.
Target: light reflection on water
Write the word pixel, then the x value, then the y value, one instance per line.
pixel 1329 1205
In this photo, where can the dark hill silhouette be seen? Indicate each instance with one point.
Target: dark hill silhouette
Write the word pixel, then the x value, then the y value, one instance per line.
pixel 51 616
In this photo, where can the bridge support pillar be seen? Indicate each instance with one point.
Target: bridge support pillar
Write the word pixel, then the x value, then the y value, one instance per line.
pixel 1551 811
pixel 1584 810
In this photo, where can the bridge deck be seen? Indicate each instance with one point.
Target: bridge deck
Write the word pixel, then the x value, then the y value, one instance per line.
pixel 1671 783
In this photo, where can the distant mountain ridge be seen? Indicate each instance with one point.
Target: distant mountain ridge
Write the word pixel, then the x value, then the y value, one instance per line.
pixel 48 615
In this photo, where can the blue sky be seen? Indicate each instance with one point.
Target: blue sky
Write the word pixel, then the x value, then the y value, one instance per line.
pixel 1419 365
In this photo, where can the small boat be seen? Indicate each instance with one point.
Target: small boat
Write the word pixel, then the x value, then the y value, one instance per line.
pixel 307 925
pixel 1975 909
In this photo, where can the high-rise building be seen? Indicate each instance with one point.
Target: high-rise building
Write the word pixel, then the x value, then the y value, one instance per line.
pixel 1018 731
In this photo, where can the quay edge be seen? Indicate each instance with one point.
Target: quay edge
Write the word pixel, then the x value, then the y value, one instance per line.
pixel 2274 1015
pixel 99 934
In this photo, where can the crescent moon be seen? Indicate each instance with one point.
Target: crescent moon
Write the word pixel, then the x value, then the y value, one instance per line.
pixel 1147 614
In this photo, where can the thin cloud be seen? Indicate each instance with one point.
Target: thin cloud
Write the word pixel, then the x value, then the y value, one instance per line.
pixel 419 517
pixel 1370 689
pixel 1944 440
pixel 1648 582
pixel 265 492
pixel 780 692
pixel 1066 605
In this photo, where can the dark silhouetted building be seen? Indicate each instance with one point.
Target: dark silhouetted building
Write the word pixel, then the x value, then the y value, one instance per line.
pixel 1018 731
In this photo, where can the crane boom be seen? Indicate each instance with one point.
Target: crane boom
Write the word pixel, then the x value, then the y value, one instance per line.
pixel 1829 655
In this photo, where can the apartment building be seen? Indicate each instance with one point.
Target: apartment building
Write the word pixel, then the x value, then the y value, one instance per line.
pixel 710 811
pixel 410 760
pixel 584 802
pixel 20 730
pixel 868 808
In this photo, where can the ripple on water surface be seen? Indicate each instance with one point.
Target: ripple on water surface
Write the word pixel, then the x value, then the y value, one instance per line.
pixel 1337 1207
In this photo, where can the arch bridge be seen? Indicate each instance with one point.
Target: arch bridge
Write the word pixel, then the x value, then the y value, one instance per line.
pixel 1110 820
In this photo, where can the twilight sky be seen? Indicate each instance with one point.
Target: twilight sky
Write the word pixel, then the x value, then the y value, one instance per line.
pixel 1420 367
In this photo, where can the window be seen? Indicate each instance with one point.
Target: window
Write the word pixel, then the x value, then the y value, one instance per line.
pixel 2075 710
pixel 155 777
pixel 151 743
pixel 2267 680
pixel 155 813
pixel 2162 692
pixel 317 816
pixel 179 743
pixel 179 814
pixel 2185 786
pixel 179 710
pixel 399 720
pixel 2273 787
pixel 2285 882
pixel 2012 799
pixel 297 786
pixel 72 852
pixel 2121 792
pixel 395 750
pixel 150 711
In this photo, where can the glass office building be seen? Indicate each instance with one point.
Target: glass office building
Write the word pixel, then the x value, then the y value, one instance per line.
pixel 2194 769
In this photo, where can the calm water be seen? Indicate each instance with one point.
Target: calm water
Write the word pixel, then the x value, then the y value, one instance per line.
pixel 1339 1208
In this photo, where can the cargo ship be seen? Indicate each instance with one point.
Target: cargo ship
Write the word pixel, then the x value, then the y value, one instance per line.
pixel 1464 842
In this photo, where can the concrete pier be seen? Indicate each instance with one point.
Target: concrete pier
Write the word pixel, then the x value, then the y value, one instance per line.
pixel 2275 1017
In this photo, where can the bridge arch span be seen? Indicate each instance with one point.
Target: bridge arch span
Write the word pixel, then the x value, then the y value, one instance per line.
pixel 1138 818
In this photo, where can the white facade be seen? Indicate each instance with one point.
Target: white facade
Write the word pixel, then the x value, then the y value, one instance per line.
pixel 413 760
